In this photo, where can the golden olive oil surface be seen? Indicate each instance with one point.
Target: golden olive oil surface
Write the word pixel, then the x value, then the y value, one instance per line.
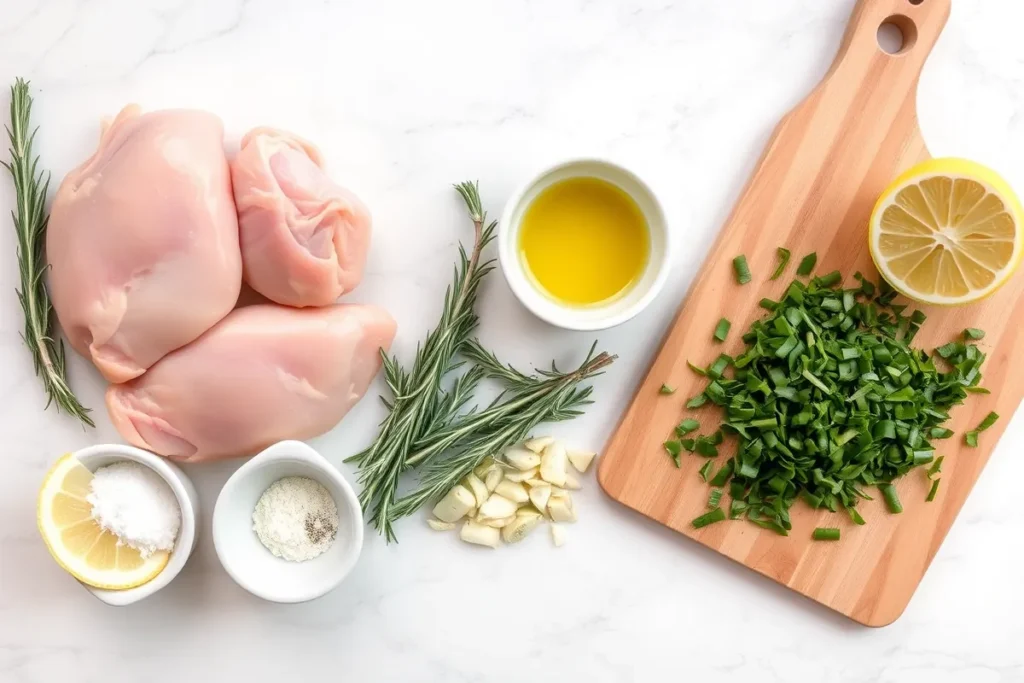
pixel 584 241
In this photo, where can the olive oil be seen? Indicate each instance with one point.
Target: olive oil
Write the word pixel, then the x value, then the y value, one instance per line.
pixel 584 241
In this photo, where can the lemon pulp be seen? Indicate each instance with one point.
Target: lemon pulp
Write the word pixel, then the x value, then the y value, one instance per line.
pixel 584 241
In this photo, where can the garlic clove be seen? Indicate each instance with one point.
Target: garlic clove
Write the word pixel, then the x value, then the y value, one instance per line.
pixel 493 478
pixel 539 496
pixel 536 482
pixel 552 464
pixel 496 523
pixel 581 459
pixel 477 487
pixel 512 490
pixel 455 504
pixel 538 444
pixel 478 534
pixel 522 459
pixel 528 511
pixel 571 482
pixel 522 476
pixel 558 492
pixel 438 525
pixel 561 510
pixel 485 465
pixel 557 535
pixel 518 529
pixel 497 507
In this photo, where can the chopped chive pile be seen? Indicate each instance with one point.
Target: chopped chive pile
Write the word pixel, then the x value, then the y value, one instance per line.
pixel 829 399
pixel 722 329
pixel 823 533
pixel 807 264
pixel 739 265
pixel 665 390
pixel 783 255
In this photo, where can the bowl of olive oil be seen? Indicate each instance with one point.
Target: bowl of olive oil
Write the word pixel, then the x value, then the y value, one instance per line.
pixel 584 244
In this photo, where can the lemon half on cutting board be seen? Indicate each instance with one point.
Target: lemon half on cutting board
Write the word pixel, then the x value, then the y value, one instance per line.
pixel 947 231
pixel 76 541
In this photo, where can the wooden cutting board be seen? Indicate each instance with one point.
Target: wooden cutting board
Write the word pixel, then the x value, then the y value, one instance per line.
pixel 826 164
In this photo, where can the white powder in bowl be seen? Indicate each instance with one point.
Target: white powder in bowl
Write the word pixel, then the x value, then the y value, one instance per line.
pixel 296 519
pixel 135 504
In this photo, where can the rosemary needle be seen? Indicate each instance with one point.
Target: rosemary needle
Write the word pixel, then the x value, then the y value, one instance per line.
pixel 30 219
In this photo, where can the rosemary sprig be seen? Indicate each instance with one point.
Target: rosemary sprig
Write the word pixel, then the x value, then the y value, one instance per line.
pixel 420 406
pixel 30 219
pixel 551 396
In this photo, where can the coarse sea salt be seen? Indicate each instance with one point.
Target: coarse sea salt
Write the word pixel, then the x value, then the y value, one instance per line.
pixel 135 504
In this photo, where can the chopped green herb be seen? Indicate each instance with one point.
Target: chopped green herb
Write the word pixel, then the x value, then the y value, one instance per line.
pixel 823 533
pixel 807 264
pixel 674 449
pixel 714 498
pixel 666 389
pixel 783 255
pixel 705 469
pixel 768 304
pixel 892 500
pixel 722 329
pixel 700 371
pixel 828 399
pixel 936 467
pixel 697 401
pixel 932 491
pixel 686 426
pixel 971 437
pixel 739 265
pixel 974 333
pixel 716 515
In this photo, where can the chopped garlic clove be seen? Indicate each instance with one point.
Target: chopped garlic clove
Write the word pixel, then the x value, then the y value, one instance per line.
pixel 528 511
pixel 552 464
pixel 497 507
pixel 522 459
pixel 536 482
pixel 485 465
pixel 522 476
pixel 539 496
pixel 478 534
pixel 512 490
pixel 581 459
pixel 557 535
pixel 561 510
pixel 438 525
pixel 496 523
pixel 518 529
pixel 493 478
pixel 477 488
pixel 455 504
pixel 538 444
pixel 558 492
pixel 571 482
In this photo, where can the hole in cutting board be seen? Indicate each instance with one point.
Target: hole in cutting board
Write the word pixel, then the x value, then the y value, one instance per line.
pixel 896 35
pixel 916 2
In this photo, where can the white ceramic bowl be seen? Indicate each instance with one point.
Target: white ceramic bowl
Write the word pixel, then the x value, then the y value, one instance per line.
pixel 95 457
pixel 255 568
pixel 590 317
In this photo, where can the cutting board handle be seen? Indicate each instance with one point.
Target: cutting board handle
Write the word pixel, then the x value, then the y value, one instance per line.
pixel 919 21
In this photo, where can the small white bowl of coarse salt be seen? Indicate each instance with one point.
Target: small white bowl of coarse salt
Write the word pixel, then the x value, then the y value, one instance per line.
pixel 167 520
pixel 287 527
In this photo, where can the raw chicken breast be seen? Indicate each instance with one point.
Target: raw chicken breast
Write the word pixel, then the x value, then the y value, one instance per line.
pixel 264 373
pixel 304 239
pixel 143 240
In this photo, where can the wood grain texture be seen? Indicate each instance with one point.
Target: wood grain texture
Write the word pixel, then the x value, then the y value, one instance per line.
pixel 826 164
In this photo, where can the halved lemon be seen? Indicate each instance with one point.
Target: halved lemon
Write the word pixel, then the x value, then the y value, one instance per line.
pixel 76 541
pixel 947 231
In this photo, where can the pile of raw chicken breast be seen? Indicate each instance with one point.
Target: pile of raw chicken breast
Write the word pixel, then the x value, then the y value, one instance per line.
pixel 150 240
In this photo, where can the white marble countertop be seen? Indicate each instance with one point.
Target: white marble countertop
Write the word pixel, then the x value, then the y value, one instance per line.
pixel 405 98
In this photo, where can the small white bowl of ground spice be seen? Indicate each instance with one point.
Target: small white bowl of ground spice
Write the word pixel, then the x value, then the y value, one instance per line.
pixel 287 527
